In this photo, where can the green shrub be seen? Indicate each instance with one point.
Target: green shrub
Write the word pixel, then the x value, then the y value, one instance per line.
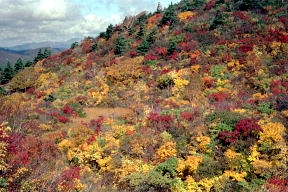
pixel 219 128
pixel 165 81
pixel 265 108
pixel 50 98
pixel 3 91
pixel 218 20
pixel 217 71
pixel 225 117
pixel 143 47
pixel 161 178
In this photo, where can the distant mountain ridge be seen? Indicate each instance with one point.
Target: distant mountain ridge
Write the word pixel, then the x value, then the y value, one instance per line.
pixel 26 55
pixel 63 45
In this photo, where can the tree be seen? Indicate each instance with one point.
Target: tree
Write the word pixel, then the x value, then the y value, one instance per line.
pixel 131 31
pixel 159 8
pixel 187 5
pixel 19 65
pixel 151 37
pixel 120 44
pixel 47 53
pixel 109 31
pixel 94 47
pixel 39 57
pixel 250 4
pixel 143 47
pixel 169 16
pixel 28 64
pixel 74 45
pixel 171 48
pixel 7 74
pixel 141 32
pixel 218 20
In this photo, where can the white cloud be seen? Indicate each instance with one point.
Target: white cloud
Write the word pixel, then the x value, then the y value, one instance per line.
pixel 23 21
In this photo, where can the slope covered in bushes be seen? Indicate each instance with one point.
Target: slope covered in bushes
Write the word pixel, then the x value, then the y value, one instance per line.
pixel 203 86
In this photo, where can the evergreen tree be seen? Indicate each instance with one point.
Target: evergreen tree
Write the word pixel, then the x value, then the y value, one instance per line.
pixel 7 74
pixel 19 65
pixel 143 47
pixel 74 45
pixel 46 53
pixel 141 32
pixel 186 5
pixel 131 31
pixel 171 48
pixel 159 8
pixel 218 20
pixel 109 31
pixel 120 45
pixel 94 47
pixel 198 3
pixel 151 37
pixel 28 64
pixel 39 57
pixel 250 4
pixel 169 16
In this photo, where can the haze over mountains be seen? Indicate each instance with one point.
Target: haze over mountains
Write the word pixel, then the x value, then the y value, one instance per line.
pixel 28 51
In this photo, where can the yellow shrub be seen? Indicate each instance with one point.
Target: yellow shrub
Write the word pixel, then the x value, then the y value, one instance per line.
pixel 166 151
pixel 234 175
pixel 191 164
pixel 185 15
pixel 261 166
pixel 126 70
pixel 203 141
pixel 272 132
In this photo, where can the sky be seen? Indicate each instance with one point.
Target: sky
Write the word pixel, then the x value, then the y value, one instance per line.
pixel 26 21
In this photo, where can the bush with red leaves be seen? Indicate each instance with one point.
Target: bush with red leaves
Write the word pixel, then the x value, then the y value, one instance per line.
pixel 228 137
pixel 159 122
pixel 277 184
pixel 219 96
pixel 97 124
pixel 150 57
pixel 67 178
pixel 242 129
pixel 63 119
pixel 187 116
pixel 67 110
pixel 246 48
pixel 247 127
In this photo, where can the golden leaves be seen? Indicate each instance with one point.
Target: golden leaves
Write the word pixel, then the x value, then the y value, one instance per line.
pixel 185 15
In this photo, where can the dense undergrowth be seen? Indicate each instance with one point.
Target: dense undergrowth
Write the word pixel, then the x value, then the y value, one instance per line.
pixel 207 82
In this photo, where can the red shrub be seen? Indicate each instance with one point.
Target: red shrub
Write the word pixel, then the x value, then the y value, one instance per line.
pixel 246 48
pixel 161 51
pixel 97 124
pixel 219 96
pixel 160 122
pixel 67 110
pixel 66 179
pixel 247 127
pixel 228 137
pixel 150 57
pixel 187 116
pixel 63 119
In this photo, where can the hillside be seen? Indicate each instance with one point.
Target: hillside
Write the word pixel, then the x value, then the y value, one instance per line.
pixel 26 54
pixel 191 98
pixel 57 45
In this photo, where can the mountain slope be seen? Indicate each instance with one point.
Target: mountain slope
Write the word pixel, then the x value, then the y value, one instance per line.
pixel 26 55
pixel 61 45
pixel 202 88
